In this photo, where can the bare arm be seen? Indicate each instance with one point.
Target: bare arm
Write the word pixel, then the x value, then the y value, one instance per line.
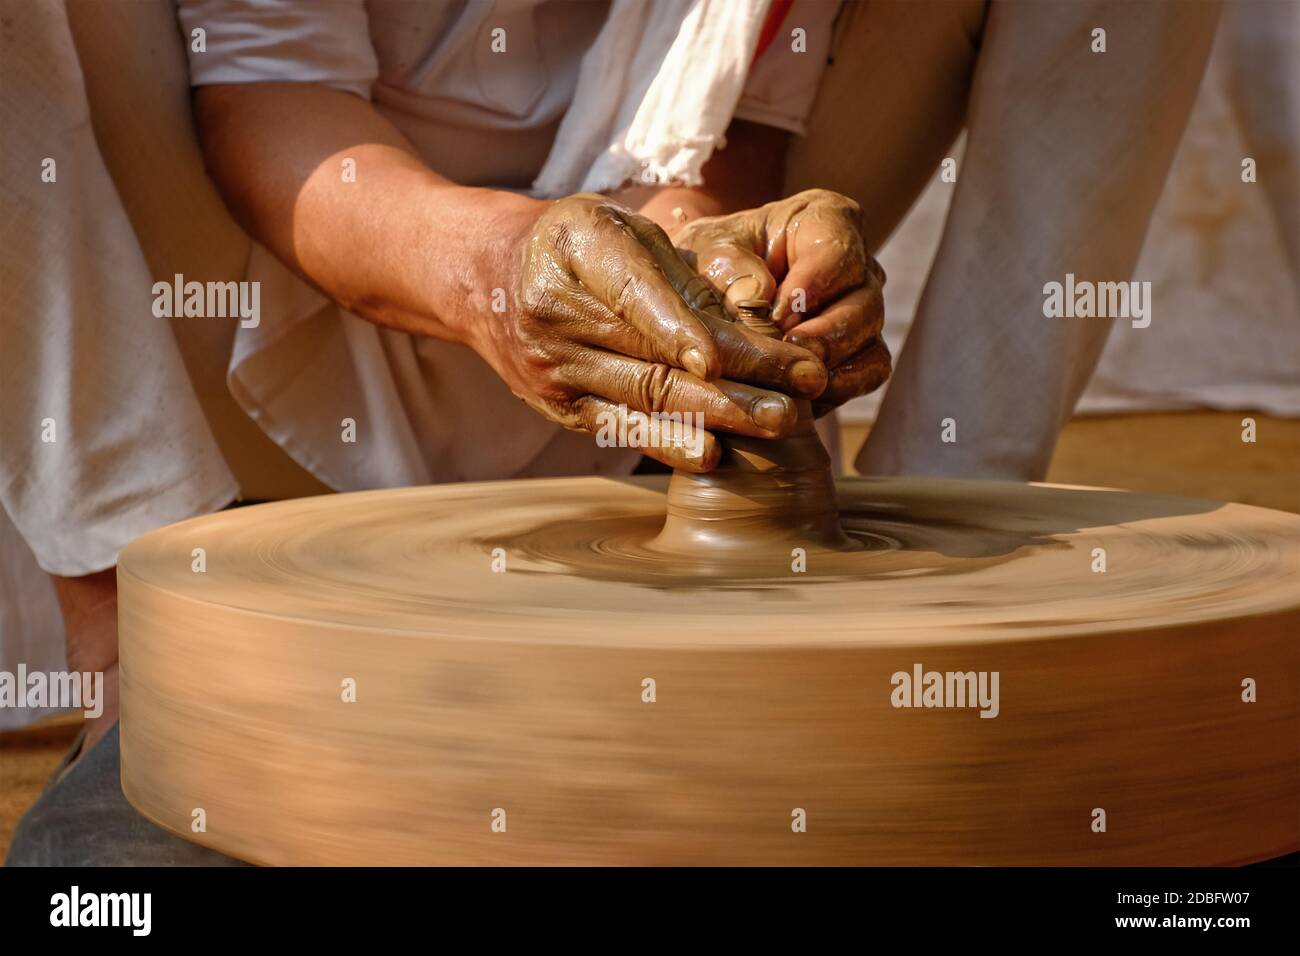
pixel 401 246
pixel 601 313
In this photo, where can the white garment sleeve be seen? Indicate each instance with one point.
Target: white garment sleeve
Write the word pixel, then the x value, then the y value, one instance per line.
pixel 783 83
pixel 268 41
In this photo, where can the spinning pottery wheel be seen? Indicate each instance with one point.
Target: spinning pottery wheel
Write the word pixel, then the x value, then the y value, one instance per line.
pixel 482 691
pixel 719 670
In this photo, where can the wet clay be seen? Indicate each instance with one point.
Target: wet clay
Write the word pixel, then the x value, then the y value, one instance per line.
pixel 389 677
pixel 763 495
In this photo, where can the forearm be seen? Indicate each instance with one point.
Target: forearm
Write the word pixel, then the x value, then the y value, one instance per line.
pixel 397 244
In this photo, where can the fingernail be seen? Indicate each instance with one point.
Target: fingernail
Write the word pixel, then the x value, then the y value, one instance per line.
pixel 771 413
pixel 693 361
pixel 808 376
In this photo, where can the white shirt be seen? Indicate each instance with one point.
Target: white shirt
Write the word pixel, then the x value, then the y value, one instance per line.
pixel 477 116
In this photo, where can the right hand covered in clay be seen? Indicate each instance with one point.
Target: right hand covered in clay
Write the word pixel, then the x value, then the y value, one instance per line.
pixel 806 247
pixel 608 323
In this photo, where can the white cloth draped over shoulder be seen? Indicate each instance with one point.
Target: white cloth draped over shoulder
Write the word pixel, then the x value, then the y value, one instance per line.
pixel 655 94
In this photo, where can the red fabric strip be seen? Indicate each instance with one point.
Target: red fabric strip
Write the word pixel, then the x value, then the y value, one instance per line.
pixel 776 15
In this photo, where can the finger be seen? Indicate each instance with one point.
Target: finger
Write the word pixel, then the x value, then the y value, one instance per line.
pixel 861 374
pixel 843 328
pixel 828 259
pixel 746 356
pixel 658 389
pixel 684 448
pixel 694 289
pixel 626 278
pixel 767 362
pixel 737 273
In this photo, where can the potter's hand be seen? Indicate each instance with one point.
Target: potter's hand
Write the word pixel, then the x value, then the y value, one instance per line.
pixel 609 321
pixel 805 254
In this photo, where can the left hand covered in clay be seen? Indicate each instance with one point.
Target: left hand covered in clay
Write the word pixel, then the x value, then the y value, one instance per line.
pixel 806 255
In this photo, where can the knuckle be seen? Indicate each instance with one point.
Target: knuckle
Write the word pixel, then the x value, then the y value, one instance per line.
pixel 544 368
pixel 883 370
pixel 819 195
pixel 699 294
pixel 843 389
pixel 830 199
pixel 863 374
pixel 559 236
pixel 654 389
pixel 583 201
pixel 540 365
pixel 610 215
pixel 537 296
pixel 574 416
pixel 853 262
pixel 533 346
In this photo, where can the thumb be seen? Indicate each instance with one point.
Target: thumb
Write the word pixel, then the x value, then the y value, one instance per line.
pixel 737 273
